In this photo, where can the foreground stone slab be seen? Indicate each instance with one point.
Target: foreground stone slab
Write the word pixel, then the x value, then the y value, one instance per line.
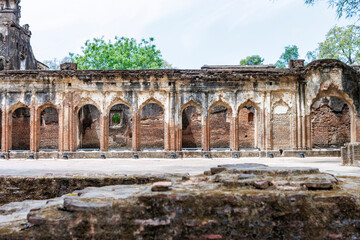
pixel 239 202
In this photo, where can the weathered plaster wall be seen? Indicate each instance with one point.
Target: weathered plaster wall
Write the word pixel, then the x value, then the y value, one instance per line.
pixel 281 98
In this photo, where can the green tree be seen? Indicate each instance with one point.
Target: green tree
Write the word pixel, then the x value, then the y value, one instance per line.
pixel 342 43
pixel 123 53
pixel 349 8
pixel 291 52
pixel 252 60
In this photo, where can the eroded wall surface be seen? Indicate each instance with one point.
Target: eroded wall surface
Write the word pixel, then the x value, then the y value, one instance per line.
pixel 156 101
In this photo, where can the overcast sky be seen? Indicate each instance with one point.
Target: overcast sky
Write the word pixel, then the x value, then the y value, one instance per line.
pixel 189 33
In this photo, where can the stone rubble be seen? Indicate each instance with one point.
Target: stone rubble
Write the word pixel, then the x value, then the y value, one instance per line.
pixel 261 203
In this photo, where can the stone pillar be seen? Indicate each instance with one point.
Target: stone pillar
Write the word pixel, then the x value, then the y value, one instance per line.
pixel 308 133
pixel 179 137
pixel 355 128
pixel 61 129
pixel 267 123
pixel 302 113
pixel 294 124
pixel 136 131
pixel 68 123
pixel 234 134
pixel 6 131
pixel 104 142
pixel 206 132
pixel 170 135
pixel 34 129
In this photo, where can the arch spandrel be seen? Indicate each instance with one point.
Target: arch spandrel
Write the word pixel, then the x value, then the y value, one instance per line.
pixel 248 103
pixel 117 101
pixel 87 101
pixel 336 75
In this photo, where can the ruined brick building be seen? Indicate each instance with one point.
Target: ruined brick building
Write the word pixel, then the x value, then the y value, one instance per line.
pixel 218 111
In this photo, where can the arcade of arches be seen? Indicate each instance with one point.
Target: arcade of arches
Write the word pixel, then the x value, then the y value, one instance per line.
pixel 174 110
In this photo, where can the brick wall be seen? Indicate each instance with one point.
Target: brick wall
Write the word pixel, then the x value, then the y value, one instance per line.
pixel 152 126
pixel 220 127
pixel 247 121
pixel 281 131
pixel 330 118
pixel 89 127
pixel 191 128
pixel 49 129
pixel 21 129
pixel 120 133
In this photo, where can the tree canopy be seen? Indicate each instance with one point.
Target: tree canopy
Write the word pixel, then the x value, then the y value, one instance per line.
pixel 291 52
pixel 252 60
pixel 123 53
pixel 349 8
pixel 342 43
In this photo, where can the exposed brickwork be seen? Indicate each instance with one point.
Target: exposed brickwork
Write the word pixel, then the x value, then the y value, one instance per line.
pixel 89 127
pixel 330 119
pixel 49 129
pixel 21 129
pixel 281 132
pixel 120 127
pixel 269 89
pixel 152 126
pixel 220 127
pixel 247 121
pixel 191 128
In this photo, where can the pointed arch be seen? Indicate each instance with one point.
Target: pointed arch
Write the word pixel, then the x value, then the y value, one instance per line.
pixel 120 125
pixel 87 101
pixel 330 124
pixel 16 106
pixel 281 126
pixel 46 105
pixel 249 120
pixel 220 116
pixel 117 101
pixel 89 126
pixel 220 102
pixel 48 126
pixel 20 126
pixel 152 124
pixel 191 125
pixel 151 100
pixel 334 91
pixel 191 103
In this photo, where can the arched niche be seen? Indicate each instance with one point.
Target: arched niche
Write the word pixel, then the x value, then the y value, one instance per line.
pixel 330 123
pixel 89 127
pixel 281 126
pixel 152 126
pixel 120 127
pixel 220 122
pixel 49 129
pixel 191 127
pixel 247 126
pixel 20 125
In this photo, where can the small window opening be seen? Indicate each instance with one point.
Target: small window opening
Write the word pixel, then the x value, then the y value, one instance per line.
pixel 250 117
pixel 116 119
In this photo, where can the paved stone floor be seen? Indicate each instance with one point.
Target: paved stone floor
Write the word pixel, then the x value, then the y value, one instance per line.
pixel 156 166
